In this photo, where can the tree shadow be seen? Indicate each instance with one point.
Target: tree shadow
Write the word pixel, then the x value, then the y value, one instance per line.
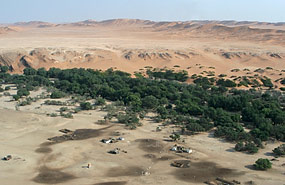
pixel 211 134
pixel 168 140
pixel 251 167
pixel 270 154
pixel 230 150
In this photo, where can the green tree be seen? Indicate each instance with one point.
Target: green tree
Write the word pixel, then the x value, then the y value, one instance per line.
pixel 262 164
pixel 4 69
pixel 100 101
pixel 57 94
pixel 85 106
pixel 239 146
pixel 30 71
pixel 280 150
pixel 150 102
pixel 23 92
pixel 42 72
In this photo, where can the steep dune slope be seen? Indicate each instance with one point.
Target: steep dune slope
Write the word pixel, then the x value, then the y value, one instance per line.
pixel 132 45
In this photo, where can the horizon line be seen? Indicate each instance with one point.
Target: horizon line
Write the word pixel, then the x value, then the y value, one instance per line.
pixel 103 20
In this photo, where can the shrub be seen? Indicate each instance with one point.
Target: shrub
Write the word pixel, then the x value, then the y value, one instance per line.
pixel 129 119
pixel 239 146
pixel 280 150
pixel 150 102
pixel 4 69
pixel 67 115
pixel 282 88
pixel 175 136
pixel 53 115
pixel 57 94
pixel 251 148
pixel 16 97
pixel 53 102
pixel 85 106
pixel 23 92
pixel 266 82
pixel 226 83
pixel 222 75
pixel 262 164
pixel 63 109
pixel 100 101
pixel 25 102
pixel 7 88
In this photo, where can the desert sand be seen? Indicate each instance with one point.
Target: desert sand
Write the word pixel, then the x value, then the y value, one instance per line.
pixel 131 46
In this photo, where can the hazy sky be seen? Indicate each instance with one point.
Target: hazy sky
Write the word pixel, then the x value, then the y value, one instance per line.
pixel 157 10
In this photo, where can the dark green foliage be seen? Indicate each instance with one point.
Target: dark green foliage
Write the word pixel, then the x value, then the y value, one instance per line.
pixel 4 69
pixel 16 97
pixel 129 119
pixel 194 107
pixel 169 75
pixel 85 106
pixel 42 72
pixel 57 95
pixel 266 82
pixel 150 102
pixel 239 146
pixel 262 164
pixel 222 75
pixel 280 150
pixel 100 101
pixel 63 109
pixel 23 92
pixel 7 88
pixel 195 127
pixel 30 71
pixel 53 102
pixel 251 148
pixel 204 81
pixel 231 133
pixel 162 111
pixel 226 83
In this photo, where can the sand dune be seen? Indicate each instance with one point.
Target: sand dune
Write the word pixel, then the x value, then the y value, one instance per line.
pixel 131 45
pixel 199 47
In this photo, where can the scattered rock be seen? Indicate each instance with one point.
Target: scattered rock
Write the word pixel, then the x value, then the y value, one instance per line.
pixel 181 149
pixel 115 151
pixel 181 164
pixel 145 173
pixel 112 140
pixel 128 55
pixel 274 55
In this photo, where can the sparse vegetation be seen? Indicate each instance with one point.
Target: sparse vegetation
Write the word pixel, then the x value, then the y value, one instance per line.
pixel 168 74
